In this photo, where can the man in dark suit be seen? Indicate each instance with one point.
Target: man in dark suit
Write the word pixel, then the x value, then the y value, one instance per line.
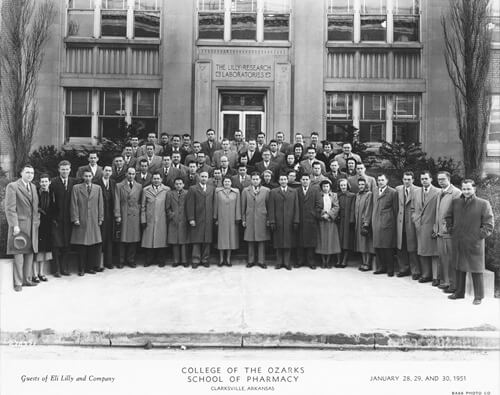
pixel 261 142
pixel 154 161
pixel 210 145
pixel 266 163
pixel 107 228
pixel 254 156
pixel 175 146
pixel 176 164
pixel 94 168
pixel 119 169
pixel 384 215
pixel 186 147
pixel 60 194
pixel 143 176
pixel 276 156
pixel 168 172
pixel 195 153
pixel 226 171
pixel 128 158
pixel 283 146
pixel 334 175
pixel 226 151
pixel 242 179
pixel 307 164
pixel 200 215
pixel 192 177
pixel 201 163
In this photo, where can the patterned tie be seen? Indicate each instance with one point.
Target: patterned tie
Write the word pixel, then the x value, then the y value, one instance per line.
pixel 89 189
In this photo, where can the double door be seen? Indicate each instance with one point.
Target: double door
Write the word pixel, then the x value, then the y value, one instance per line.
pixel 249 122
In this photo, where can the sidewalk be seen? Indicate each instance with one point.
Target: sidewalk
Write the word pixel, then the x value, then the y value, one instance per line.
pixel 238 307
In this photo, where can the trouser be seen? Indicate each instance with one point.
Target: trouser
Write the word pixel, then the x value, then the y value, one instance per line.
pixel 88 257
pixel 261 251
pixel 477 283
pixel 127 253
pixel 385 259
pixel 446 268
pixel 408 260
pixel 179 251
pixel 305 256
pixel 155 255
pixel 283 257
pixel 428 264
pixel 60 255
pixel 107 252
pixel 201 253
pixel 23 268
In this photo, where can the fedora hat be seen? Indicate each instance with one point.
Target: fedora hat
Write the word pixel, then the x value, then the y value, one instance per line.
pixel 21 241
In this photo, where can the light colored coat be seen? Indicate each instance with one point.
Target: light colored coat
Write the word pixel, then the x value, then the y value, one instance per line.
pixel 470 223
pixel 200 208
pixel 443 205
pixel 363 207
pixel 177 226
pixel 424 217
pixel 154 215
pixel 227 211
pixel 384 214
pixel 404 219
pixel 21 209
pixel 128 207
pixel 254 214
pixel 89 211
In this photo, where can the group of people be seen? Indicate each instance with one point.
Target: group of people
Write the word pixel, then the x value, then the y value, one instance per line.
pixel 314 202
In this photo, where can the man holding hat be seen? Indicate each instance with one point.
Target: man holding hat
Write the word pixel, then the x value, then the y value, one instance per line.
pixel 21 209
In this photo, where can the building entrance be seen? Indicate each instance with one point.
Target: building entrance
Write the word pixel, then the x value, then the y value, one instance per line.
pixel 242 111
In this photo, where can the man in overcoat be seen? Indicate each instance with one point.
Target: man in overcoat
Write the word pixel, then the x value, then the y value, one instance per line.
pixel 21 211
pixel 154 221
pixel 87 214
pixel 119 169
pixel 127 216
pixel 309 200
pixel 284 219
pixel 407 234
pixel 371 182
pixel 60 195
pixel 108 187
pixel 200 213
pixel 242 179
pixel 143 176
pixel 168 172
pixel 92 166
pixel 306 166
pixel 423 207
pixel 177 226
pixel 384 214
pixel 444 243
pixel 254 219
pixel 154 160
pixel 210 145
pixel 470 221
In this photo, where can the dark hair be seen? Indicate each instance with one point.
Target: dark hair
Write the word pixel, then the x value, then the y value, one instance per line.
pixel 191 161
pixel 107 165
pixel 149 145
pixel 333 160
pixel 156 173
pixel 314 134
pixel 316 163
pixel 178 178
pixel 44 175
pixel 261 134
pixel 325 182
pixel 143 161
pixel 209 130
pixel 255 173
pixel 426 172
pixel 226 177
pixel 351 160
pixel 266 150
pixel 305 175
pixel 241 165
pixel 176 135
pixel 273 141
pixel 114 157
pixel 164 134
pixel 127 145
pixel 383 175
pixel 298 145
pixel 361 179
pixel 65 163
pixel 311 148
pixel 468 181
pixel 447 174
pixel 346 142
pixel 196 142
pixel 409 173
pixel 93 152
pixel 186 135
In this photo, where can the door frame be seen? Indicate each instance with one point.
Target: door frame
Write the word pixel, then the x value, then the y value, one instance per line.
pixel 241 115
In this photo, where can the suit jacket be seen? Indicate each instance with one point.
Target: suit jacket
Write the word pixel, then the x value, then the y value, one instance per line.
pixel 89 211
pixel 260 167
pixel 132 162
pixel 170 176
pixel 443 205
pixel 154 165
pixel 308 204
pixel 325 158
pixel 279 159
pixel 209 151
pixel 371 183
pixel 284 213
pixel 384 214
pixel 61 220
pixel 119 176
pixel 232 156
pixel 307 168
pixel 424 217
pixel 21 209
pixel 200 208
pixel 177 226
pixel 229 172
pixel 405 223
pixel 191 180
pixel 335 179
pixel 241 185
pixel 128 208
pixel 239 148
pixel 256 158
pixel 81 169
pixel 169 150
pixel 193 158
pixel 285 147
pixel 141 151
pixel 205 167
pixel 342 159
pixel 108 199
pixel 144 182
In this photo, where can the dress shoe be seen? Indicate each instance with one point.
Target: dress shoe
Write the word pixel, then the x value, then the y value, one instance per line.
pixel 109 266
pixel 175 264
pixel 81 273
pixel 455 296
pixel 220 264
pixel 18 288
pixel 29 284
pixel 390 274
pixel 415 277
pixel 90 271
pixel 476 301
pixel 120 266
pixel 449 290
pixel 147 265
pixel 35 280
pixel 297 265
pixel 443 286
pixel 277 267
pixel 289 267
pixel 99 269
pixel 205 264
pixel 132 265
pixel 403 274
pixel 364 268
pixel 42 278
pixel 342 265
pixel 162 264
pixel 262 265
pixel 435 283
pixel 185 264
pixel 65 273
pixel 57 275
pixel 380 272
pixel 228 264
pixel 424 280
pixel 194 265
pixel 313 267
pixel 249 265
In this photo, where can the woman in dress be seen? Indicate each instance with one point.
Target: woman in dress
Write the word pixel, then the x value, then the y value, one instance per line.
pixel 44 231
pixel 227 214
pixel 298 152
pixel 363 216
pixel 328 235
pixel 346 222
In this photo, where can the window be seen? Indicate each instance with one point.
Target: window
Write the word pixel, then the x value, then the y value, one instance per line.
pixel 81 4
pixel 78 117
pixel 111 112
pixel 244 19
pixel 114 18
pixel 145 111
pixel 495 28
pixel 211 26
pixel 406 118
pixel 494 129
pixel 372 118
pixel 406 7
pixel 373 28
pixel 146 19
pixel 338 115
pixel 340 20
pixel 80 18
pixel 373 6
pixel 276 20
pixel 406 21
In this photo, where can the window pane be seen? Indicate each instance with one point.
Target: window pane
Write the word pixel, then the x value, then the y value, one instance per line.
pixel 373 28
pixel 145 103
pixel 373 107
pixel 276 27
pixel 373 6
pixel 242 102
pixel 495 27
pixel 406 107
pixel 340 6
pixel 282 6
pixel 340 28
pixel 371 131
pixel 143 126
pixel 112 102
pixel 244 5
pixel 339 105
pixel 81 4
pixel 243 26
pixel 78 101
pixel 114 4
pixel 146 5
pixel 211 5
pixel 406 132
pixel 406 28
pixel 112 127
pixel 78 127
pixel 80 23
pixel 211 26
pixel 494 133
pixel 114 23
pixel 406 7
pixel 336 131
pixel 147 24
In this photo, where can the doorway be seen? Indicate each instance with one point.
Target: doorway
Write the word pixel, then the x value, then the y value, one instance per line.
pixel 243 111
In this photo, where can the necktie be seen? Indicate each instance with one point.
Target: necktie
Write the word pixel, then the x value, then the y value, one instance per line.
pixel 65 183
pixel 204 188
pixel 89 189
pixel 443 193
pixel 305 191
pixel 131 184
pixel 180 193
pixel 106 184
pixel 380 191
pixel 406 194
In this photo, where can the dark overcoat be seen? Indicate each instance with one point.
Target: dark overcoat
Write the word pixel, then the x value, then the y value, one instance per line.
pixel 89 211
pixel 177 226
pixel 128 208
pixel 284 213
pixel 470 222
pixel 21 209
pixel 254 213
pixel 405 224
pixel 108 199
pixel 308 216
pixel 200 208
pixel 346 219
pixel 61 219
pixel 45 228
pixel 384 215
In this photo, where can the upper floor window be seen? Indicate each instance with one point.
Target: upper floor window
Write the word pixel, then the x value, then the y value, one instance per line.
pixel 341 20
pixel 81 18
pixel 276 20
pixel 406 118
pixel 338 115
pixel 494 129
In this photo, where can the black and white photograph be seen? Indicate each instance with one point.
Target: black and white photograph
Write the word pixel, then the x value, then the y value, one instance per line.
pixel 250 196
